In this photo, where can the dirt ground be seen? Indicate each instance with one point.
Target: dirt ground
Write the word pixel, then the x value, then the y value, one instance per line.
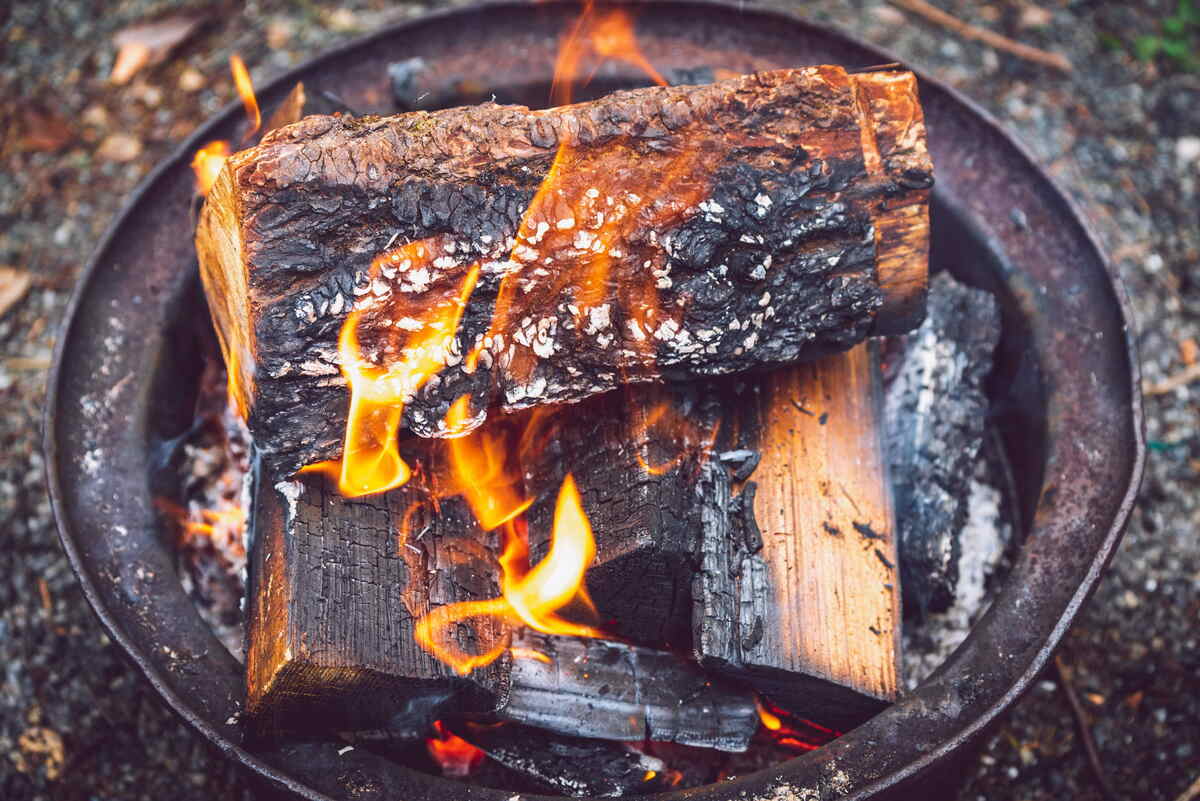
pixel 1121 135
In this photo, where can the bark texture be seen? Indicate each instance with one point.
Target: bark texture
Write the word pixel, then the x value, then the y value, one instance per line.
pixel 683 232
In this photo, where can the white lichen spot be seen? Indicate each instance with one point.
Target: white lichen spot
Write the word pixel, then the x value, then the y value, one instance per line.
pixel 749 342
pixel 599 318
pixel 765 300
pixel 566 223
pixel 636 331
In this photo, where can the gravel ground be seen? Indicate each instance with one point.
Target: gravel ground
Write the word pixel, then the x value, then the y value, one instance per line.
pixel 1122 136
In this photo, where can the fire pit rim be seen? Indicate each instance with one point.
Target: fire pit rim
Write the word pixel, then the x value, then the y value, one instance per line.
pixel 778 776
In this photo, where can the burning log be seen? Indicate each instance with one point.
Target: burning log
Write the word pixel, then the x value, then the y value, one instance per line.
pixel 797 591
pixel 604 689
pixel 634 455
pixel 936 410
pixel 337 586
pixel 574 766
pixel 664 232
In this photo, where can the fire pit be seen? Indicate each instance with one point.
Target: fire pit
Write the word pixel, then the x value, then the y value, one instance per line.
pixel 1064 394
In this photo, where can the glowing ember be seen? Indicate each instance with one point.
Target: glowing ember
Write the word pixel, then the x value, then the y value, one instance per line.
pixel 453 754
pixel 796 733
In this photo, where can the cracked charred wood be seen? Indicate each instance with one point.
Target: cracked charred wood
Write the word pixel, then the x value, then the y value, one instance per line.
pixel 936 411
pixel 683 232
pixel 574 766
pixel 615 691
pixel 797 591
pixel 634 454
pixel 336 587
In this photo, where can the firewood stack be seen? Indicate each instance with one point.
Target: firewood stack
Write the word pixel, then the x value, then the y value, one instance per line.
pixel 679 283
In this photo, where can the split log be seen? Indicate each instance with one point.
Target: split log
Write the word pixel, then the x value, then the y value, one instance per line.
pixel 573 766
pixel 336 589
pixel 936 411
pixel 615 691
pixel 797 591
pixel 745 224
pixel 634 455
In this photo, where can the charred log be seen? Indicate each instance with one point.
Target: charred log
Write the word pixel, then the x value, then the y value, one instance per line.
pixel 746 224
pixel 635 455
pixel 614 691
pixel 336 588
pixel 936 411
pixel 573 766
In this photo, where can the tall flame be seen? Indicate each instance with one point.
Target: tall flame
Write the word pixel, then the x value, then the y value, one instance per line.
pixel 371 460
pixel 209 160
pixel 533 597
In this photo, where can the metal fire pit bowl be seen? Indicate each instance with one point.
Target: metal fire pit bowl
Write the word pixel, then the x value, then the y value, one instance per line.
pixel 1064 393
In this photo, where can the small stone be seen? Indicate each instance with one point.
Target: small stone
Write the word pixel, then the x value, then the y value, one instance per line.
pixel 341 19
pixel 120 147
pixel 1034 17
pixel 279 32
pixel 192 80
pixel 1187 149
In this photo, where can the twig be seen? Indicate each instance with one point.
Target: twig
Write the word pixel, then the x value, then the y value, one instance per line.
pixel 989 38
pixel 1085 730
pixel 1191 792
pixel 1184 377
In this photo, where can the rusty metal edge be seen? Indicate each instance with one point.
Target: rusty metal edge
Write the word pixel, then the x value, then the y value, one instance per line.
pixel 183 153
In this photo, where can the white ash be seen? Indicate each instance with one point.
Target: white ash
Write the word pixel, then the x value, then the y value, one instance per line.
pixel 984 539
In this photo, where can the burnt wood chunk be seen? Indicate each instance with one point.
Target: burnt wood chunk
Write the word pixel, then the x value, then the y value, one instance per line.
pixel 798 591
pixel 336 588
pixel 574 766
pixel 634 454
pixel 615 691
pixel 936 411
pixel 684 231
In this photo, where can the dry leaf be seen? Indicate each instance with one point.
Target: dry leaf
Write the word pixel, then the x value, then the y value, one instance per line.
pixel 1034 17
pixel 290 110
pixel 13 286
pixel 148 43
pixel 39 741
pixel 43 131
pixel 120 147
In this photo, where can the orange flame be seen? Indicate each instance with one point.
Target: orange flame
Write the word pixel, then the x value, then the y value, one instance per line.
pixel 454 755
pixel 207 164
pixel 797 733
pixel 209 160
pixel 245 89
pixel 533 597
pixel 371 460
pixel 607 35
pixel 661 424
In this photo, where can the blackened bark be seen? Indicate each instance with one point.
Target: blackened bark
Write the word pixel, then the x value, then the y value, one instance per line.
pixel 635 456
pixel 707 230
pixel 936 411
pixel 335 592
pixel 574 766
